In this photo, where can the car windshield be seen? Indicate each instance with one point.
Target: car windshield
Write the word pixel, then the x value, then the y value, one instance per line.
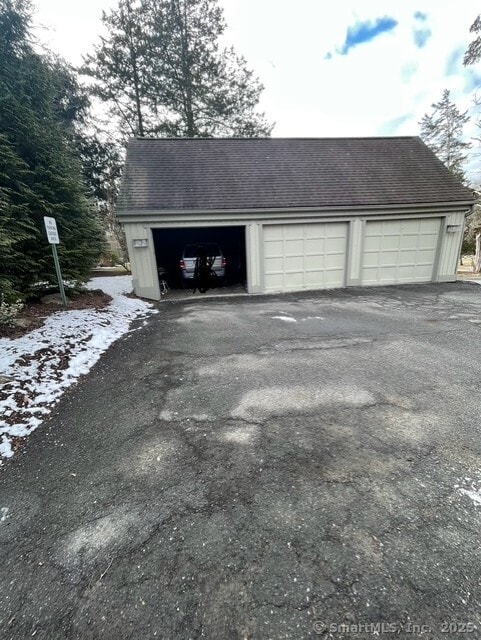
pixel 192 250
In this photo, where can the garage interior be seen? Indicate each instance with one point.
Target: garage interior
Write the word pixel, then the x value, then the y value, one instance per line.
pixel 169 245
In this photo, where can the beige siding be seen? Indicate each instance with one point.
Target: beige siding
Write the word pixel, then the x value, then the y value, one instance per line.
pixel 356 234
pixel 450 248
pixel 253 257
pixel 142 261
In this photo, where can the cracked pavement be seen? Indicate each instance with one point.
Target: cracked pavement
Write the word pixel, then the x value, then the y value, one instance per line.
pixel 247 467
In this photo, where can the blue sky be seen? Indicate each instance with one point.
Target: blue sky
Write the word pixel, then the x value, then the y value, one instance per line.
pixel 362 32
pixel 352 67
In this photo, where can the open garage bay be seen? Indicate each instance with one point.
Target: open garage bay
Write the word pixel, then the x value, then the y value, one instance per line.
pixel 169 245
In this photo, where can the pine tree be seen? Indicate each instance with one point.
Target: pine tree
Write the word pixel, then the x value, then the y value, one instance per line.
pixel 162 72
pixel 16 227
pixel 40 172
pixel 473 52
pixel 442 131
pixel 102 162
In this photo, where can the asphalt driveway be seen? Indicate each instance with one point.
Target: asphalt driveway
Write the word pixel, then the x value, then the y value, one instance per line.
pixel 253 468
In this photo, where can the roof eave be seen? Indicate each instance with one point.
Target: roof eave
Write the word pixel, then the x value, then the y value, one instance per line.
pixel 139 213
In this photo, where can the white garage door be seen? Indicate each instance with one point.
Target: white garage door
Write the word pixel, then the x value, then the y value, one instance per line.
pixel 400 250
pixel 304 256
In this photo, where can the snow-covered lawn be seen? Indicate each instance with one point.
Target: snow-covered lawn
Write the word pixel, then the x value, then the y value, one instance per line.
pixel 48 360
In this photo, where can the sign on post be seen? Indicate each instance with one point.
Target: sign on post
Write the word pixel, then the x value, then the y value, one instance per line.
pixel 51 228
pixel 53 238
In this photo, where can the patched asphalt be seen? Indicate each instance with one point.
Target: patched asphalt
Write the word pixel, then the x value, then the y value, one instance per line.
pixel 292 466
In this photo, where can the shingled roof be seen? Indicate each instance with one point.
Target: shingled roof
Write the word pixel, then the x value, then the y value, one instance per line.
pixel 281 173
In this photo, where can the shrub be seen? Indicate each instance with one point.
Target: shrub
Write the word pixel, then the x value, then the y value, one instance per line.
pixel 9 310
pixel 110 259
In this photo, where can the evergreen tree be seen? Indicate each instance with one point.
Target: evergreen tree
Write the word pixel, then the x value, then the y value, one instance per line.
pixel 162 72
pixel 473 52
pixel 16 227
pixel 442 131
pixel 102 162
pixel 40 172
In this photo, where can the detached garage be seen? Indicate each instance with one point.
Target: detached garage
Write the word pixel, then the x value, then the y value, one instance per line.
pixel 294 214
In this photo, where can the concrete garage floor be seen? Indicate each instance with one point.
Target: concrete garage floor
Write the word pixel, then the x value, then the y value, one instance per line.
pixel 258 468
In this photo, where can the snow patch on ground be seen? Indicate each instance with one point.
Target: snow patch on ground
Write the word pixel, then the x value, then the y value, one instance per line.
pixel 470 488
pixel 285 318
pixel 47 361
pixel 474 495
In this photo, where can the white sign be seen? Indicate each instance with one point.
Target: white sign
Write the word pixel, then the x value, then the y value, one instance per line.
pixel 51 228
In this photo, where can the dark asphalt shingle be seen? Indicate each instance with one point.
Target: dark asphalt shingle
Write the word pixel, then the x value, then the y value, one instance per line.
pixel 271 173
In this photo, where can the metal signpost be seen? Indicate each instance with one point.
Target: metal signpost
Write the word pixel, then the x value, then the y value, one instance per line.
pixel 52 235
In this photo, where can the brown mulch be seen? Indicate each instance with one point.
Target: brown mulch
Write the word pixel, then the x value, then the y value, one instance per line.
pixel 34 313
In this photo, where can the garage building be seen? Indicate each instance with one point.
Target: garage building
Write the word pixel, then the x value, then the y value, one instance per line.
pixel 294 214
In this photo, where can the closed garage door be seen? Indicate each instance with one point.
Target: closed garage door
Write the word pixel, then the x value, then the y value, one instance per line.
pixel 400 250
pixel 304 256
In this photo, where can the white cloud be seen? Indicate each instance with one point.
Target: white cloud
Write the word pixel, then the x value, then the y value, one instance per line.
pixel 382 87
pixel 362 93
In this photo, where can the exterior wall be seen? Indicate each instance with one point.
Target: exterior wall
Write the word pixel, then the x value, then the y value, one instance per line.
pixel 354 251
pixel 450 248
pixel 254 258
pixel 143 261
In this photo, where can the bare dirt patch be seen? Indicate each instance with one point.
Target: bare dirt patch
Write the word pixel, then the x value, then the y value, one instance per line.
pixel 34 314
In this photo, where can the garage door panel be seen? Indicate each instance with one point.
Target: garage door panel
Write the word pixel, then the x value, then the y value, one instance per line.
pixel 406 272
pixel 370 274
pixel 312 278
pixel 372 243
pixel 273 280
pixel 335 230
pixel 274 265
pixel 388 258
pixel 275 233
pixel 423 273
pixel 409 226
pixel 335 245
pixel 407 257
pixel 374 229
pixel 429 225
pixel 390 242
pixel 425 256
pixel 334 261
pixel 313 256
pixel 400 250
pixel 314 246
pixel 293 232
pixel 273 248
pixel 332 278
pixel 371 259
pixel 294 263
pixel 388 273
pixel 410 241
pixel 294 248
pixel 428 241
pixel 292 280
